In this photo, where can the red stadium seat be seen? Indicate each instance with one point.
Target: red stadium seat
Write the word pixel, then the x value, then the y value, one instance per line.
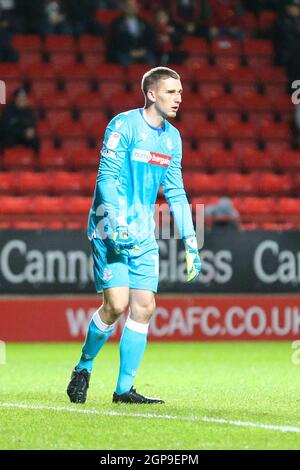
pixel 54 100
pixel 32 182
pixel 283 104
pixel 108 88
pixel 136 71
pixel 224 103
pixel 106 16
pixel 277 147
pixel 275 184
pixel 207 73
pixel 59 43
pixel 194 158
pixel 40 71
pixel 242 184
pixel 75 88
pixel 113 72
pixel 12 205
pixel 45 129
pixel 241 131
pixel 123 102
pixel 10 71
pixel 193 102
pixel 94 59
pixel 88 43
pixel 84 159
pixel 88 100
pixel 195 46
pixel 27 59
pixel 272 75
pixel 71 144
pixel 223 160
pixel 67 182
pixel 62 58
pixel 70 129
pixel 227 63
pixel 210 146
pixel 207 130
pixel 95 129
pixel 289 207
pixel 297 183
pixel 27 42
pixel 48 206
pixel 275 131
pixel 255 102
pixel 55 158
pixel 289 160
pixel 226 47
pixel 43 87
pixel 90 116
pixel 198 183
pixel 258 47
pixel 19 156
pixel 74 72
pixel 266 20
pixel 256 160
pixel 8 182
pixel 258 207
pixel 78 205
pixel 57 116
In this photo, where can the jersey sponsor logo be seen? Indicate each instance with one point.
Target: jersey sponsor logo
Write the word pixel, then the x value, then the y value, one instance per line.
pixel 108 153
pixel 113 140
pixel 153 158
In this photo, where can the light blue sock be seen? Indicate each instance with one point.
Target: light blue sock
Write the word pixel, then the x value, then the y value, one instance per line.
pixel 132 348
pixel 97 335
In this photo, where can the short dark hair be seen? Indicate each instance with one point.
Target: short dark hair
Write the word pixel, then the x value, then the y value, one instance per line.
pixel 151 77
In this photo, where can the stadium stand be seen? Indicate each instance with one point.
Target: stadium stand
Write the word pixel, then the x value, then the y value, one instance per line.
pixel 236 123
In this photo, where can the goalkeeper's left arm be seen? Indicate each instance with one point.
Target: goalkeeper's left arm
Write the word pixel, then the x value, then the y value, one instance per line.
pixel 180 209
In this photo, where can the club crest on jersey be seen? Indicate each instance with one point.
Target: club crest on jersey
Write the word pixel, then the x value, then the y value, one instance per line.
pixel 169 144
pixel 113 140
pixel 154 158
pixel 118 123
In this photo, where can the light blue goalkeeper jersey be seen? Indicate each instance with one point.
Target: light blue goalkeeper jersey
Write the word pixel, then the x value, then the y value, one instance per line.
pixel 136 159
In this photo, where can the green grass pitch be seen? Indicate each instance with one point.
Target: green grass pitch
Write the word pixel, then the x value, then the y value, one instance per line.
pixel 238 395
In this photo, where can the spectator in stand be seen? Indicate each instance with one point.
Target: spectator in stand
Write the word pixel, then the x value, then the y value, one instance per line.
pixel 132 39
pixel 55 19
pixel 222 214
pixel 166 37
pixel 224 18
pixel 82 16
pixel 186 14
pixel 7 52
pixel 31 15
pixel 17 123
pixel 287 39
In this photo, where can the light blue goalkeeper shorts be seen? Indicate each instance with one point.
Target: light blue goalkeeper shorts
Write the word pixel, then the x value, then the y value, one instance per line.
pixel 138 270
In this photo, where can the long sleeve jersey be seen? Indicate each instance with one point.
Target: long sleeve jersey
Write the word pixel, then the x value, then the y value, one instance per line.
pixel 136 158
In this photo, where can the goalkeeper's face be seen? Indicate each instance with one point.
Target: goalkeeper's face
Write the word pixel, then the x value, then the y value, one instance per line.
pixel 168 96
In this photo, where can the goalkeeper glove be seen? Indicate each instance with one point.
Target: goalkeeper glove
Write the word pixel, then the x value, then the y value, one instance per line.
pixel 123 239
pixel 193 261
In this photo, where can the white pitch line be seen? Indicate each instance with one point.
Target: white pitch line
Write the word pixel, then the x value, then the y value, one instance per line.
pixel 202 419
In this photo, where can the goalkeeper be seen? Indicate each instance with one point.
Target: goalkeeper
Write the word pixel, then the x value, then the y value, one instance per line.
pixel 141 151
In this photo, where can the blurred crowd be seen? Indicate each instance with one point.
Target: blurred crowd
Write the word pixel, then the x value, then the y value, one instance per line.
pixel 150 31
